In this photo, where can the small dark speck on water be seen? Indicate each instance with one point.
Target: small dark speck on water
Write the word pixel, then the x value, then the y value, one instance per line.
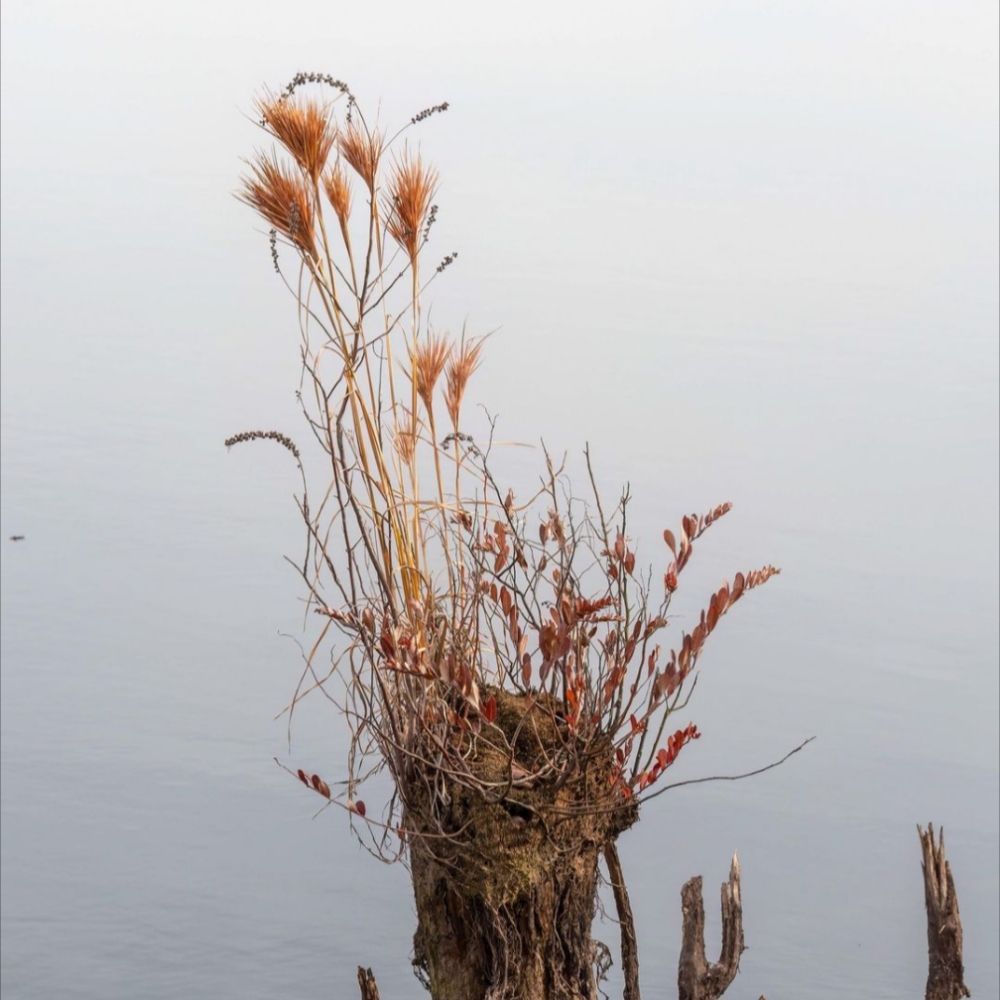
pixel 17 538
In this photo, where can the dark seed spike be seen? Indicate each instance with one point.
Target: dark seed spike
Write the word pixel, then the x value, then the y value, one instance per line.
pixel 447 262
pixel 283 439
pixel 272 238
pixel 301 79
pixel 427 112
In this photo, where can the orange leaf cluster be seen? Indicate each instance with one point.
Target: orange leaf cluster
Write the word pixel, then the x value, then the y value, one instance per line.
pixel 620 555
pixel 692 527
pixel 667 755
pixel 316 783
pixel 682 662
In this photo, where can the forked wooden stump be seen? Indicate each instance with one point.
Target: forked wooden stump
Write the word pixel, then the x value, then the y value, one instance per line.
pixel 366 980
pixel 945 971
pixel 697 978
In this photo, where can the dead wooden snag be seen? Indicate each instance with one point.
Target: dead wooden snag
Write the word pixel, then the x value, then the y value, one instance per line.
pixel 366 980
pixel 697 978
pixel 626 922
pixel 945 971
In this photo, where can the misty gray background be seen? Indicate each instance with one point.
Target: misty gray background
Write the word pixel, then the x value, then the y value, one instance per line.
pixel 747 250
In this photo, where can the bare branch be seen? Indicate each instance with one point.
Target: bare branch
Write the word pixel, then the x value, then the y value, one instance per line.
pixel 626 923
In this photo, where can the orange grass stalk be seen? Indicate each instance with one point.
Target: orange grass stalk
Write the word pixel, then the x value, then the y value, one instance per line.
pixel 461 367
pixel 363 150
pixel 428 362
pixel 338 191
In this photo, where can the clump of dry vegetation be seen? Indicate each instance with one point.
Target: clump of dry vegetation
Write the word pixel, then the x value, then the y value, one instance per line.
pixel 506 659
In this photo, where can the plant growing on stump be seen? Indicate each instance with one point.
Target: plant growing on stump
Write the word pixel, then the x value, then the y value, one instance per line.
pixel 503 658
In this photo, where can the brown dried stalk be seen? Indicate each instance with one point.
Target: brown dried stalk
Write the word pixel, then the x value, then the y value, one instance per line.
pixel 626 923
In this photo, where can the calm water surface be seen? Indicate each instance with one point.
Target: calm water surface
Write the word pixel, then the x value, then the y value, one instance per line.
pixel 786 298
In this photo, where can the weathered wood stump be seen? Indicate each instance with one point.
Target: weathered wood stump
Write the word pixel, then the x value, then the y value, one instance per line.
pixel 366 980
pixel 697 978
pixel 945 971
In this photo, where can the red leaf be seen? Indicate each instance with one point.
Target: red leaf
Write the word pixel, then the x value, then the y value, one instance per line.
pixel 620 547
pixel 714 610
pixel 506 601
pixel 302 777
pixel 359 807
pixel 668 537
pixel 490 709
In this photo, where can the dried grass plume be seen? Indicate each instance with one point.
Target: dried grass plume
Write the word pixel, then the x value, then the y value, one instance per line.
pixel 411 189
pixel 303 127
pixel 281 196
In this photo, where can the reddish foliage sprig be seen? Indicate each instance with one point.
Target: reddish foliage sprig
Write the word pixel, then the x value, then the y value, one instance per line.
pixel 665 756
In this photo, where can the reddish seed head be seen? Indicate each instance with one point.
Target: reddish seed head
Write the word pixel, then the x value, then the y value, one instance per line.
pixel 303 128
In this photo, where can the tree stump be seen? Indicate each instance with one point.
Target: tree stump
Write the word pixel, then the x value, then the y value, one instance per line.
pixel 505 881
pixel 366 980
pixel 945 971
pixel 697 978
